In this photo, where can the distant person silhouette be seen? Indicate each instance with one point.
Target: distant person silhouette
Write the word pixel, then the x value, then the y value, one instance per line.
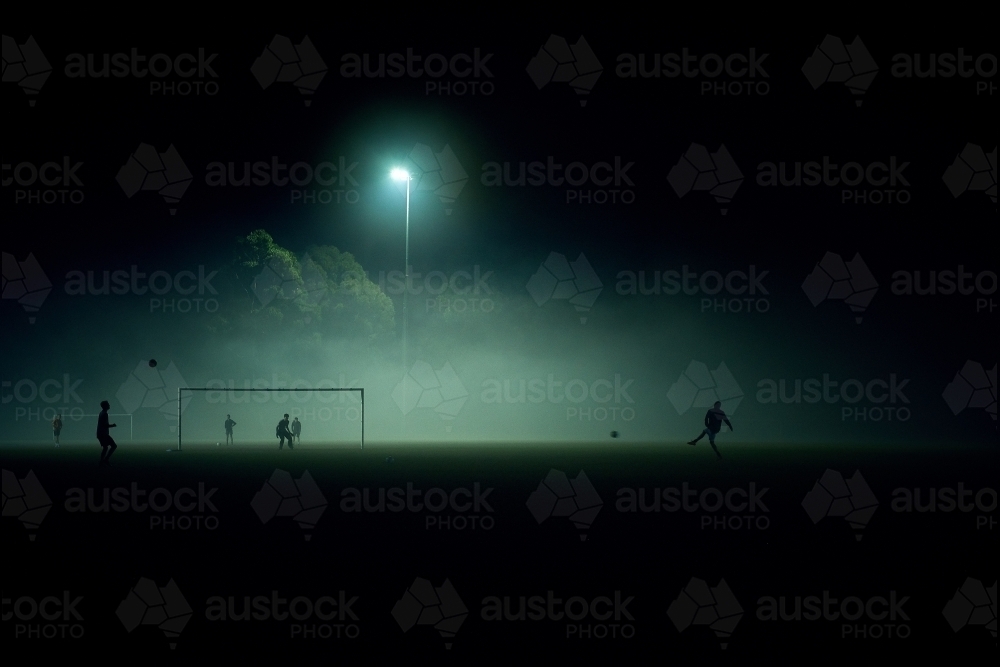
pixel 297 429
pixel 108 445
pixel 229 429
pixel 714 419
pixel 283 433
pixel 56 428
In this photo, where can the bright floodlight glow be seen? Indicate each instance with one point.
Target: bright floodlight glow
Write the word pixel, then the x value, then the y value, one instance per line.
pixel 400 174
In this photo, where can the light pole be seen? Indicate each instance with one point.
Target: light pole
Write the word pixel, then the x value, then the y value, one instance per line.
pixel 403 175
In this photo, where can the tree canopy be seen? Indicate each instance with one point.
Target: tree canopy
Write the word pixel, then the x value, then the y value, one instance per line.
pixel 323 294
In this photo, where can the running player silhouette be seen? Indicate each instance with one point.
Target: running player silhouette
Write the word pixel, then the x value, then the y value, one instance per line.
pixel 283 433
pixel 108 444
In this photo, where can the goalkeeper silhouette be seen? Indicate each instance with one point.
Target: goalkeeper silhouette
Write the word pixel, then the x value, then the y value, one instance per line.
pixel 714 419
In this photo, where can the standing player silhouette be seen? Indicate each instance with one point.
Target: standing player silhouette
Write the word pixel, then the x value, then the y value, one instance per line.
pixel 714 419
pixel 57 425
pixel 108 444
pixel 229 429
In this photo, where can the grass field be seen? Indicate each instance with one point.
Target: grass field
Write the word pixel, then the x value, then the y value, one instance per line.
pixel 494 548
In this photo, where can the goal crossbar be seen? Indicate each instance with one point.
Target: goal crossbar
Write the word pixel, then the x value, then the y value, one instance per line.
pixel 181 390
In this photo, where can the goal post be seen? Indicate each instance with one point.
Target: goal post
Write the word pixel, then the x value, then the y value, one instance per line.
pixel 185 394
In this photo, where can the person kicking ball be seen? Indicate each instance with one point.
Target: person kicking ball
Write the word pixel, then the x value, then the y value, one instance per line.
pixel 714 419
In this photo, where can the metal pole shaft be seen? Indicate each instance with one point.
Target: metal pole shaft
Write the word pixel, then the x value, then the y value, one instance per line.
pixel 178 419
pixel 406 274
pixel 406 292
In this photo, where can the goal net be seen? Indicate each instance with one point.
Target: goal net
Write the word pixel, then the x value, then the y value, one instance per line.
pixel 316 416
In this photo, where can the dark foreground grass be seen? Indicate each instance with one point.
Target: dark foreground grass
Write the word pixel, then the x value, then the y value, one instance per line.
pixel 496 550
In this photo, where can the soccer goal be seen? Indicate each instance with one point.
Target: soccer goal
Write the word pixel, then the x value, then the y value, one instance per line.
pixel 317 416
